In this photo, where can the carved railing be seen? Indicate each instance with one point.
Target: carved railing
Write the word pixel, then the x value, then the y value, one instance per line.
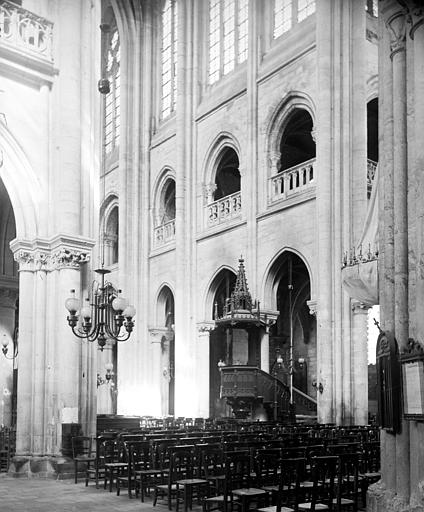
pixel 224 209
pixel 293 180
pixel 164 233
pixel 301 398
pixel 243 385
pixel 371 168
pixel 25 30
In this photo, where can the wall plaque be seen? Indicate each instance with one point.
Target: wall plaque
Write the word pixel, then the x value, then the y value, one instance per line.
pixel 412 360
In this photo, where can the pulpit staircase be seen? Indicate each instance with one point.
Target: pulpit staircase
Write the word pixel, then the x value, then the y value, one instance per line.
pixel 247 387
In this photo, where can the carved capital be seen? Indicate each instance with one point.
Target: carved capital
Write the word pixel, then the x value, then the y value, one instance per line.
pixel 25 260
pixel 208 192
pixel 415 16
pixel 359 307
pixel 396 25
pixel 67 258
pixel 205 327
pixel 313 307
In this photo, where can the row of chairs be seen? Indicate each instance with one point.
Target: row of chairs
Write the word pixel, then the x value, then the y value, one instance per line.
pixel 172 469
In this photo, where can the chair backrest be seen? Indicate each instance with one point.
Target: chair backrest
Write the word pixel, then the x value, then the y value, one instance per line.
pixel 267 468
pixel 138 455
pixel 370 457
pixel 237 471
pixel 82 446
pixel 292 473
pixel 212 462
pixel 347 479
pixel 323 471
pixel 181 464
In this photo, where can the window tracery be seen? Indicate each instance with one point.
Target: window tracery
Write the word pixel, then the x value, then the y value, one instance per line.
pixel 113 98
pixel 228 36
pixel 169 57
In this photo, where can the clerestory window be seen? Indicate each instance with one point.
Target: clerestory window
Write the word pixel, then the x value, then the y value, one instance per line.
pixel 113 98
pixel 228 36
pixel 305 8
pixel 282 17
pixel 169 57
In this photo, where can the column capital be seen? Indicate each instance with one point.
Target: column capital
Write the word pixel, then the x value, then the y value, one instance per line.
pixel 359 307
pixel 51 254
pixel 205 327
pixel 395 20
pixel 313 307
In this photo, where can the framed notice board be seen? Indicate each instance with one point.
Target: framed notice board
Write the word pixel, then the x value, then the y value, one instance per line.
pixel 412 360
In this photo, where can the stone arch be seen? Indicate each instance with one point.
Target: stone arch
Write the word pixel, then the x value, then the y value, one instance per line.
pixel 270 285
pixel 163 306
pixel 219 144
pixel 278 121
pixel 211 290
pixel 22 185
pixel 166 177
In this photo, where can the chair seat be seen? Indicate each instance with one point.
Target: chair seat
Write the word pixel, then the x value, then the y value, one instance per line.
pixel 274 509
pixel 344 501
pixel 164 487
pixel 307 506
pixel 218 499
pixel 306 484
pixel 270 488
pixel 249 491
pixel 118 465
pixel 192 481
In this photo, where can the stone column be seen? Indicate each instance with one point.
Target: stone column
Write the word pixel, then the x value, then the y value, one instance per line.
pixel 51 376
pixel 203 367
pixel 359 363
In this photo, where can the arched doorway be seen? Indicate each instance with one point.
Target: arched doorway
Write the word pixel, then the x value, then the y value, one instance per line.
pixel 222 285
pixel 166 311
pixel 8 312
pixel 294 333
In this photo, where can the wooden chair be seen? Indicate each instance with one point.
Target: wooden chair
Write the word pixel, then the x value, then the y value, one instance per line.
pixel 138 460
pixel 180 469
pixel 288 493
pixel 347 482
pixel 237 489
pixel 369 466
pixel 321 494
pixel 96 470
pixel 82 453
pixel 116 463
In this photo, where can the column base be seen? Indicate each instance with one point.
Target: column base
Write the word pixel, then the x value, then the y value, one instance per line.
pixel 48 466
pixel 380 499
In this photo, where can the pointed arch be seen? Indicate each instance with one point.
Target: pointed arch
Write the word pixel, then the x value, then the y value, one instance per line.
pixel 222 141
pixel 165 306
pixel 212 288
pixel 22 185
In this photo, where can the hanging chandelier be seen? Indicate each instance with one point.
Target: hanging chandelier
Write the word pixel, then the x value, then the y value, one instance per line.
pixel 107 315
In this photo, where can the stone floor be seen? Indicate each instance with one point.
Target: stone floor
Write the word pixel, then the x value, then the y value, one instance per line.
pixel 41 495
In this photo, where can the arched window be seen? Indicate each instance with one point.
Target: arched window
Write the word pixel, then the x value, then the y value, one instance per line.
pixel 164 231
pixel 169 57
pixel 111 237
pixel 167 208
pixel 228 36
pixel 113 98
pixel 282 17
pixel 227 178
pixel 372 142
pixel 297 144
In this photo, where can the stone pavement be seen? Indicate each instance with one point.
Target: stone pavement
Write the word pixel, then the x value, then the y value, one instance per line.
pixel 43 495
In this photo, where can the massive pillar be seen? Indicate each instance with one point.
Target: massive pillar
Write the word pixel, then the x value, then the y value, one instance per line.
pixel 52 377
pixel 341 189
pixel 401 283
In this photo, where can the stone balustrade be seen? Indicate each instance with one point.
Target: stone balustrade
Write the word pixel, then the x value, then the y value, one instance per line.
pixel 25 31
pixel 292 181
pixel 224 209
pixel 164 233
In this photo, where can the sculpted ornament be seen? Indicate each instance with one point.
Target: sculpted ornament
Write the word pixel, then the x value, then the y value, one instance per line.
pixel 66 258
